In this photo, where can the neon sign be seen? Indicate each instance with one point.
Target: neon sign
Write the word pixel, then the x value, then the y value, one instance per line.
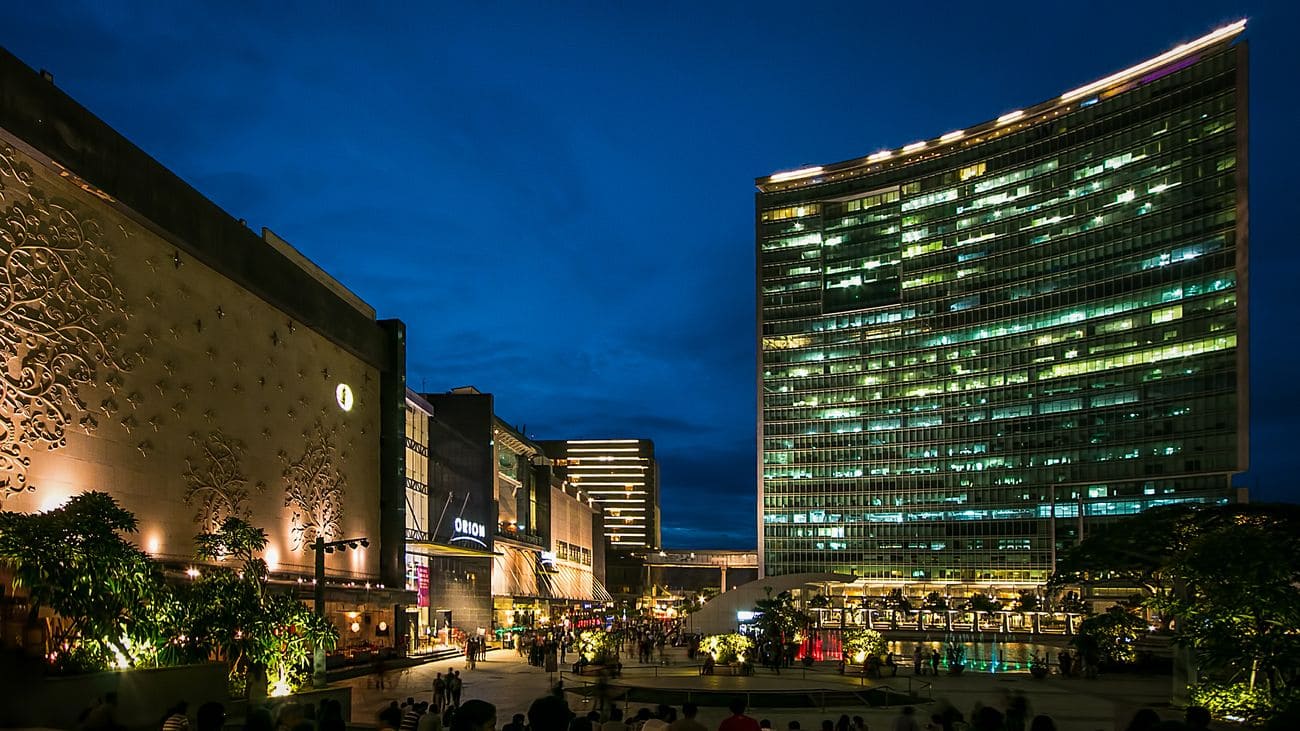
pixel 468 531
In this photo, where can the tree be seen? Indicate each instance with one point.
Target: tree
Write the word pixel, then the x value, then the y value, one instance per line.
pixel 1108 637
pixel 978 604
pixel 1225 578
pixel 108 595
pixel 1241 605
pixel 778 621
pixel 935 602
pixel 897 602
pixel 1028 601
pixel 1138 549
pixel 229 612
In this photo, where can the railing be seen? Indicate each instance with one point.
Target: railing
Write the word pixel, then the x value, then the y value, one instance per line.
pixel 915 686
pixel 522 538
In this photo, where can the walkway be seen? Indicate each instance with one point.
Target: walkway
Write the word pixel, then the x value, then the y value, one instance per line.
pixel 511 684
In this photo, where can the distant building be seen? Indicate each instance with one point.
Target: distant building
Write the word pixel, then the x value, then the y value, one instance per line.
pixel 623 476
pixel 547 553
pixel 977 345
pixel 158 350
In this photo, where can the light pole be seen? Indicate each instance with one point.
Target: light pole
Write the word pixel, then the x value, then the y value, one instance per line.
pixel 322 547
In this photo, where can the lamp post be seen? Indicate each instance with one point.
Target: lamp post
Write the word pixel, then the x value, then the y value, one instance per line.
pixel 322 547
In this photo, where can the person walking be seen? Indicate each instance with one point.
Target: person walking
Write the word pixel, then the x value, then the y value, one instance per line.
pixel 456 685
pixel 439 693
pixel 918 662
pixel 934 663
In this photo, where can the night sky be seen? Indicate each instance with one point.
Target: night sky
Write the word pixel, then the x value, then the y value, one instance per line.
pixel 558 199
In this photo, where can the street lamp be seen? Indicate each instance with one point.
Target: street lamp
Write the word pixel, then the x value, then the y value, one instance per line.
pixel 322 547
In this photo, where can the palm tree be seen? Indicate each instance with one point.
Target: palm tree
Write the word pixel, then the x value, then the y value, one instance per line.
pixel 978 604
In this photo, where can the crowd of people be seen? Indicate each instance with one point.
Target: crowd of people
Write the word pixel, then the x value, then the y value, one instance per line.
pixel 552 713
pixel 211 716
pixel 476 648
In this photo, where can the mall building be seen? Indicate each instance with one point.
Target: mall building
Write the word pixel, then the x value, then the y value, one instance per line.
pixel 161 351
pixel 528 544
pixel 975 347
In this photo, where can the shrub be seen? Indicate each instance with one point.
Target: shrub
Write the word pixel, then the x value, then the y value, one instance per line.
pixel 861 643
pixel 727 648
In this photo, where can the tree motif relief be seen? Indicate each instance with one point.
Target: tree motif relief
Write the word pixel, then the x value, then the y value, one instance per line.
pixel 61 321
pixel 215 482
pixel 313 488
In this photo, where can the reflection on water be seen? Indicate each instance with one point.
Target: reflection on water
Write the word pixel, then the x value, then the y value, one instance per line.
pixel 981 655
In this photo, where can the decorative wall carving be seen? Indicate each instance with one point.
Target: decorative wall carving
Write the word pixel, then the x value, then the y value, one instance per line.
pixel 313 489
pixel 61 319
pixel 215 481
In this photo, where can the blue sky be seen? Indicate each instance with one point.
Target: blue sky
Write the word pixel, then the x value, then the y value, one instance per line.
pixel 558 198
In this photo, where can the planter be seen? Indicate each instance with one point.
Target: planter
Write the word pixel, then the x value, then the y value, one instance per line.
pixel 956 669
pixel 1038 672
pixel 55 701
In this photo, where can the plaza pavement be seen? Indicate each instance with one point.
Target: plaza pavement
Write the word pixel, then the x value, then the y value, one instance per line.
pixel 508 682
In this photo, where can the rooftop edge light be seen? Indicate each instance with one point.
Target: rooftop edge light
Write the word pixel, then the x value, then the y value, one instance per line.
pixel 1216 36
pixel 795 174
pixel 1209 39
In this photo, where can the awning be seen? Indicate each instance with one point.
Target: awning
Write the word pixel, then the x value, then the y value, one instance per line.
pixel 429 548
pixel 574 584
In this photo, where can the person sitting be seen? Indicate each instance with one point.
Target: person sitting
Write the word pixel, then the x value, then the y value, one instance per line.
pixel 707 667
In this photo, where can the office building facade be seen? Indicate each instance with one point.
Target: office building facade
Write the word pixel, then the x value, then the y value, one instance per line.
pixel 622 475
pixel 974 347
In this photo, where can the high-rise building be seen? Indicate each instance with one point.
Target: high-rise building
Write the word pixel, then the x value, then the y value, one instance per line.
pixel 623 477
pixel 977 345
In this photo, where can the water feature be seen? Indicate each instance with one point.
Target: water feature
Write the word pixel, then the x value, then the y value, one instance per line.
pixel 982 655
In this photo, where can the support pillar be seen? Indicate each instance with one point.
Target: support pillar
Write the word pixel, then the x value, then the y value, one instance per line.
pixel 318 590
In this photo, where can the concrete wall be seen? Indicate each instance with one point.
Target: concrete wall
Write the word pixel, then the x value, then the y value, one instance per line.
pixel 143 695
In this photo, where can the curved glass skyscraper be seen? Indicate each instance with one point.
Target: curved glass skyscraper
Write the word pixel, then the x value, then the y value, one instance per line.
pixel 976 346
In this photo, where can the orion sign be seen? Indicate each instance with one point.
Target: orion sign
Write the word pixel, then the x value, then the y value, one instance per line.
pixel 467 531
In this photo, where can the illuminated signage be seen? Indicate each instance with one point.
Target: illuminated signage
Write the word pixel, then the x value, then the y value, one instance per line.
pixel 547 561
pixel 469 532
